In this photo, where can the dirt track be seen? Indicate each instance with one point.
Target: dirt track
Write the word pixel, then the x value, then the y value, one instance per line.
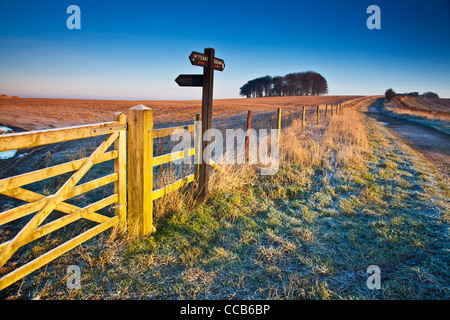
pixel 433 144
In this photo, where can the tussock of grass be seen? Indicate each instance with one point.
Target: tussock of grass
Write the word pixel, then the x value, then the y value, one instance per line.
pixel 341 141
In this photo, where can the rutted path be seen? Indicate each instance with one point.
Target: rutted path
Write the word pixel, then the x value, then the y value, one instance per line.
pixel 433 144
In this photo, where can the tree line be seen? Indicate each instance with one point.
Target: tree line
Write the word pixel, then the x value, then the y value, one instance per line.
pixel 391 94
pixel 293 84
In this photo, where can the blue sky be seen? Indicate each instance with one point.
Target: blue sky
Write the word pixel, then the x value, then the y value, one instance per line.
pixel 135 49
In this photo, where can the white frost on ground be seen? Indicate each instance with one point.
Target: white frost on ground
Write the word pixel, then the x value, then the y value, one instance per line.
pixel 10 153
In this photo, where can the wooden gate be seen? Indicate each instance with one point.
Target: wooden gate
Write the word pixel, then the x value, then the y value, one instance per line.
pixel 134 215
pixel 44 205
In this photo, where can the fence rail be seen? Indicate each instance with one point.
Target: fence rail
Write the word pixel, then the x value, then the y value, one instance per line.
pixel 131 137
pixel 29 139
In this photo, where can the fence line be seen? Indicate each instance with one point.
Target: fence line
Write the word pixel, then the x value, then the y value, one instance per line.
pixel 131 137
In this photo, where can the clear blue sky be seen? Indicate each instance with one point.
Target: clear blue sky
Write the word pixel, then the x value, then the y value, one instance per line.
pixel 135 49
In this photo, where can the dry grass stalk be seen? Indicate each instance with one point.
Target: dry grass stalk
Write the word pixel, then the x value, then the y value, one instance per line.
pixel 340 140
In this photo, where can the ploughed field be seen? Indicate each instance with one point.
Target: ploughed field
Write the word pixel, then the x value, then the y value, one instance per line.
pixel 42 113
pixel 427 103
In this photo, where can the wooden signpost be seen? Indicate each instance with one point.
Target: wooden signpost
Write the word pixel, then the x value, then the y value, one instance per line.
pixel 209 64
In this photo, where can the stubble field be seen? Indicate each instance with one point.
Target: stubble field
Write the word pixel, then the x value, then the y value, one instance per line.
pixel 39 113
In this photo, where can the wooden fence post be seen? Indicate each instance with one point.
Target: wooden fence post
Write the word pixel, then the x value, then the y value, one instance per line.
pixel 326 111
pixel 140 170
pixel 247 137
pixel 279 125
pixel 120 167
pixel 198 144
pixel 331 109
pixel 318 116
pixel 303 117
pixel 207 103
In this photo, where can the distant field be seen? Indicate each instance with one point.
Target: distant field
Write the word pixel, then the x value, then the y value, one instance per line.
pixel 426 103
pixel 412 101
pixel 37 113
pixel 438 104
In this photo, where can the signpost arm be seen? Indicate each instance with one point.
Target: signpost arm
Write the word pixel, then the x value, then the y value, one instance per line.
pixel 208 78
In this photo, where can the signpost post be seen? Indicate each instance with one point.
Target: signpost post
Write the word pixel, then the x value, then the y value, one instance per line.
pixel 209 64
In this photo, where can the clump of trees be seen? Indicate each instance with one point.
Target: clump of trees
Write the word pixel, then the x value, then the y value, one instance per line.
pixel 389 95
pixel 411 94
pixel 293 84
pixel 431 95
